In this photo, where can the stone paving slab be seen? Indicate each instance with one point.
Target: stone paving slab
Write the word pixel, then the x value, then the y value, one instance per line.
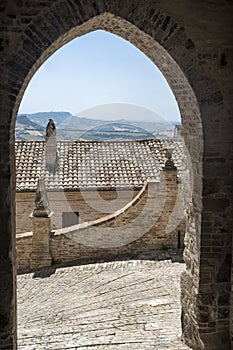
pixel 121 305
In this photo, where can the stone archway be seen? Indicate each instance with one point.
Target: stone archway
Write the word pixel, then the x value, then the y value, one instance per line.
pixel 163 32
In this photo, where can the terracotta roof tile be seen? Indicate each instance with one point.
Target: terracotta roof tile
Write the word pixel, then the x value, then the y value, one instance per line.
pixel 92 164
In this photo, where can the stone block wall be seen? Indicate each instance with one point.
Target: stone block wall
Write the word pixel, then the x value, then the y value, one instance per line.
pixel 125 225
pixel 24 249
pixel 138 227
pixel 40 253
pixel 90 205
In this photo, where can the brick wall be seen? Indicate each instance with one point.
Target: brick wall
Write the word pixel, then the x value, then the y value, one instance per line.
pixel 140 226
pixel 24 248
pixel 90 205
pixel 143 224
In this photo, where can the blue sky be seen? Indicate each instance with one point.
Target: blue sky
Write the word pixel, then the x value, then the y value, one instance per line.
pixel 96 69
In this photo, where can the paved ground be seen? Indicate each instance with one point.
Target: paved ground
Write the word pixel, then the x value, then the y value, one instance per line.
pixel 116 306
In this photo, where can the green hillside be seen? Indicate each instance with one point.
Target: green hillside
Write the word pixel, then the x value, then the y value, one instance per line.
pixel 116 131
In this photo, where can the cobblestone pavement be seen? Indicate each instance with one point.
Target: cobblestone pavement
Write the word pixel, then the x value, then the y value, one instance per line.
pixel 117 305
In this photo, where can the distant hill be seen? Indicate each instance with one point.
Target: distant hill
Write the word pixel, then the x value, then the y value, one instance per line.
pixel 116 131
pixel 23 120
pixel 80 123
pixel 26 129
pixel 155 126
pixel 42 118
pixel 69 127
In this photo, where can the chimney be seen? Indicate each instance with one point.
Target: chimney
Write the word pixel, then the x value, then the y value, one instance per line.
pixel 51 158
pixel 169 164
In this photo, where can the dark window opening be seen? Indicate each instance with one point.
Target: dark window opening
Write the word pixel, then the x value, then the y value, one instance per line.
pixel 70 218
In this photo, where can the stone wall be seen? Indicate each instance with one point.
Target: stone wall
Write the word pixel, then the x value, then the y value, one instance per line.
pixel 90 205
pixel 24 249
pixel 138 227
pixel 141 224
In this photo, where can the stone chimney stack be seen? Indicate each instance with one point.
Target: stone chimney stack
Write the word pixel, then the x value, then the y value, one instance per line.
pixel 169 164
pixel 51 158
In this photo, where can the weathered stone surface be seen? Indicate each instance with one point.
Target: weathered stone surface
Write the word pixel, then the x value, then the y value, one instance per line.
pixel 40 255
pixel 117 305
pixel 41 208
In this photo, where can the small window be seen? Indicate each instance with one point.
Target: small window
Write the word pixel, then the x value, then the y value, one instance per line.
pixel 70 218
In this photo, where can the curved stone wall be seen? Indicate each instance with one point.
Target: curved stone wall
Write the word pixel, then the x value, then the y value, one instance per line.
pixel 138 227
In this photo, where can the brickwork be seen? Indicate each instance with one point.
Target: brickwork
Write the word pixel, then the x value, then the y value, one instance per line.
pixel 24 249
pixel 139 227
pixel 69 201
pixel 191 43
pixel 133 237
pixel 40 253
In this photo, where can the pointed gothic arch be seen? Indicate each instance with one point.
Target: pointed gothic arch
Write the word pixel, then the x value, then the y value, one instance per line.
pixel 163 32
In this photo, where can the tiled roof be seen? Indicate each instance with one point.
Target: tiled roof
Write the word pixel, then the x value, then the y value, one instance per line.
pixel 94 164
